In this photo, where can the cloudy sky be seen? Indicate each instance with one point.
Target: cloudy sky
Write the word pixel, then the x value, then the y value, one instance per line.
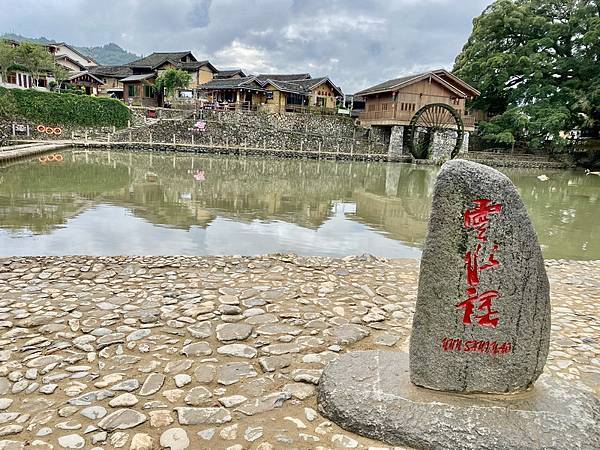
pixel 356 42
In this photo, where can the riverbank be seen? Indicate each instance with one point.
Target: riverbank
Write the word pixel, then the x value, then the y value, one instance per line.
pixel 221 351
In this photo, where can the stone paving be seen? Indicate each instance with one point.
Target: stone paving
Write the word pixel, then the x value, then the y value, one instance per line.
pixel 218 352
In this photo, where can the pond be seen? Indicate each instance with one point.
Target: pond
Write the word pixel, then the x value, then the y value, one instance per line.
pixel 99 202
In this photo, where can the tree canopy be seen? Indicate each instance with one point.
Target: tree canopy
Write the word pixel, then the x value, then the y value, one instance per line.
pixel 171 80
pixel 30 57
pixel 536 63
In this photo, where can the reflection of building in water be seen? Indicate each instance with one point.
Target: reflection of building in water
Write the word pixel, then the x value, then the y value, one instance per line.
pixel 403 219
pixel 393 198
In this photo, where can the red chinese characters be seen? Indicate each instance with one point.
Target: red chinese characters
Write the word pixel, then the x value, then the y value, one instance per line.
pixel 478 308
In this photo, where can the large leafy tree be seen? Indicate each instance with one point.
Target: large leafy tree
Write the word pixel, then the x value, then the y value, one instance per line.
pixel 536 63
pixel 35 59
pixel 171 80
pixel 7 58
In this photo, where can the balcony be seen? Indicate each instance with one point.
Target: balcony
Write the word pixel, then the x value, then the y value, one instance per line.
pixel 387 116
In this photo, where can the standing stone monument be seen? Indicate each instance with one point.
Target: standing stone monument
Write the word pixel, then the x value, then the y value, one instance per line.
pixel 479 341
pixel 482 321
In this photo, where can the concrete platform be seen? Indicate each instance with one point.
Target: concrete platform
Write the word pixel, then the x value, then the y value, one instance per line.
pixel 370 393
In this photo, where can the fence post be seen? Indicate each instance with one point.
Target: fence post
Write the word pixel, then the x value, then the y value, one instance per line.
pixel 115 128
pixel 72 135
pixel 151 138
pixel 226 142
pixel 352 148
pixel 28 131
pixel 211 141
pixel 14 131
pixel 108 137
pixel 192 138
pixel 301 145
pixel 129 124
pixel 129 135
pixel 86 136
pixel 319 147
pixel 264 143
pixel 337 149
pixel 173 138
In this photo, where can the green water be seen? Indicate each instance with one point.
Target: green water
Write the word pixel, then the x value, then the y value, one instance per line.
pixel 105 203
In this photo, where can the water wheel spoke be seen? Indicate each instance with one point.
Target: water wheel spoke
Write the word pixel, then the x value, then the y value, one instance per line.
pixel 436 117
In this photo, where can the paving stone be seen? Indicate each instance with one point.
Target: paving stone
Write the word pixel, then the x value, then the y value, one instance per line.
pixel 122 419
pixel 199 416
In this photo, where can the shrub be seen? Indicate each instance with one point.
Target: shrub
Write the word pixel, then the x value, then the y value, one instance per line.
pixel 65 109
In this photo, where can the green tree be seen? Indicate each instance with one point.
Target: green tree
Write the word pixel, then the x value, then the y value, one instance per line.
pixel 60 74
pixel 536 63
pixel 35 59
pixel 7 58
pixel 171 80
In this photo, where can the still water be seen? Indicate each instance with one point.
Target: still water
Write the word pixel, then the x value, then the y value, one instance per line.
pixel 118 203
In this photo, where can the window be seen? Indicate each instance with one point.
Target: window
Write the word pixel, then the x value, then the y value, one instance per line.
pixel 131 90
pixel 384 107
pixel 269 95
pixel 148 91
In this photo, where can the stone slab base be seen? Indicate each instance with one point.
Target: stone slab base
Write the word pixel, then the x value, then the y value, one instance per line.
pixel 370 393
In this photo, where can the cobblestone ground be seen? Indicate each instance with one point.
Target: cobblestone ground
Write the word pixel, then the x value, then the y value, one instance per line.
pixel 217 352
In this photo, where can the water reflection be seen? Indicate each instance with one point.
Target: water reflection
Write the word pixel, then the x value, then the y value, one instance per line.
pixel 101 202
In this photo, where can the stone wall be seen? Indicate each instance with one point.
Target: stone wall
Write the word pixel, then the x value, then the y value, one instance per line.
pixel 286 131
pixel 443 144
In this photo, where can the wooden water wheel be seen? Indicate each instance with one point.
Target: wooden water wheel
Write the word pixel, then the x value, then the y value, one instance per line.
pixel 432 118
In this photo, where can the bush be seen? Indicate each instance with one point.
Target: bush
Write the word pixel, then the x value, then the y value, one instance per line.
pixel 64 109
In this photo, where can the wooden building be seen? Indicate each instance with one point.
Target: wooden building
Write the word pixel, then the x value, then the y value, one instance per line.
pixel 85 80
pixel 111 77
pixel 394 102
pixel 231 73
pixel 138 90
pixel 300 95
pixel 274 92
pixel 234 93
pixel 156 63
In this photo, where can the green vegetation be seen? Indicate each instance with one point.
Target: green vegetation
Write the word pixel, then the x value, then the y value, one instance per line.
pixel 32 58
pixel 536 65
pixel 107 55
pixel 171 80
pixel 62 109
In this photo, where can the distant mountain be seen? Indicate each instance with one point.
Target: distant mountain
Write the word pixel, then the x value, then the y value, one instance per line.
pixel 107 55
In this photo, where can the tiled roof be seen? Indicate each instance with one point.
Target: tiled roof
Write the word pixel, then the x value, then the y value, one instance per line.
pixel 83 73
pixel 442 76
pixel 112 71
pixel 230 73
pixel 389 84
pixel 302 87
pixel 157 58
pixel 232 83
pixel 195 65
pixel 282 77
pixel 144 76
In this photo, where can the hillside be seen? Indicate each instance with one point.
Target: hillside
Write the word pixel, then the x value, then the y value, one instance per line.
pixel 107 55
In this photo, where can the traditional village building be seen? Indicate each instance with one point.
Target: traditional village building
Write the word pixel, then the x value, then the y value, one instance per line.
pixel 70 58
pixel 275 93
pixel 138 90
pixel 232 73
pixel 146 70
pixel 302 94
pixel 394 102
pixel 390 106
pixel 235 93
pixel 86 81
pixel 111 77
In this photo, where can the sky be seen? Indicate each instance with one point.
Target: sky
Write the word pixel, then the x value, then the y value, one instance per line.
pixel 357 43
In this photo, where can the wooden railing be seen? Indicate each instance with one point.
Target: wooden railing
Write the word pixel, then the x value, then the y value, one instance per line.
pixel 402 116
